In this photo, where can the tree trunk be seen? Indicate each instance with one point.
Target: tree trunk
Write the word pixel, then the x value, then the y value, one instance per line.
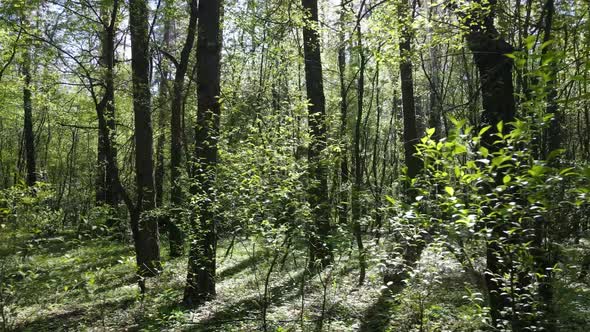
pixel 320 248
pixel 106 185
pixel 495 72
pixel 436 88
pixel 201 266
pixel 413 163
pixel 343 160
pixel 163 102
pixel 553 133
pixel 176 199
pixel 358 167
pixel 144 226
pixel 28 115
pixel 164 109
pixel 542 245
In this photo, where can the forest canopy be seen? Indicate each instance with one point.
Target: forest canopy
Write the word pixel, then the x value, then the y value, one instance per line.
pixel 294 165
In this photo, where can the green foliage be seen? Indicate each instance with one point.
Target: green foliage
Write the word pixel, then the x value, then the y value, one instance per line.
pixel 505 198
pixel 30 208
pixel 66 263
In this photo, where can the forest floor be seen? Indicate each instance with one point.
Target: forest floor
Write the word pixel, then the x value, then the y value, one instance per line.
pixel 62 283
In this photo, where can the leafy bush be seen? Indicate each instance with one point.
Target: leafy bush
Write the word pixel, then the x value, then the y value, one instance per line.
pixel 30 208
pixel 518 207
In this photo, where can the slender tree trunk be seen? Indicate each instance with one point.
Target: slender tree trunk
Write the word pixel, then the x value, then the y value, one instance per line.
pixel 378 185
pixel 163 113
pixel 413 163
pixel 144 226
pixel 163 99
pixel 542 245
pixel 436 88
pixel 201 266
pixel 553 133
pixel 106 185
pixel 29 136
pixel 343 160
pixel 358 167
pixel 320 248
pixel 176 197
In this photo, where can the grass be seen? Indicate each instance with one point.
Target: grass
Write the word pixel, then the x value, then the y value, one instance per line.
pixel 68 284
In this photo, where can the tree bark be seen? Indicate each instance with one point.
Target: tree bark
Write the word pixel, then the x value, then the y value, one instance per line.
pixel 320 248
pixel 358 166
pixel 201 266
pixel 144 226
pixel 106 185
pixel 495 72
pixel 176 197
pixel 163 102
pixel 553 133
pixel 29 136
pixel 436 92
pixel 413 163
pixel 343 160
pixel 542 245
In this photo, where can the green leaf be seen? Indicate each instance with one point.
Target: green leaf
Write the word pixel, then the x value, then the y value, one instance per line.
pixel 390 199
pixel 430 131
pixel 500 126
pixel 555 153
pixel 506 179
pixel 459 148
pixel 567 171
pixel 450 191
pixel 483 130
pixel 530 42
pixel 484 151
pixel 537 170
pixel 547 43
pixel 499 160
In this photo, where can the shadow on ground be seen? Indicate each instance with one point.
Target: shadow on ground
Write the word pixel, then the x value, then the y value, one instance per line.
pixel 74 320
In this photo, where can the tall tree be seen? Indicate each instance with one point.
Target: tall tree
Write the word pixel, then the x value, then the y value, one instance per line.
pixel 542 251
pixel 106 184
pixel 201 265
pixel 164 110
pixel 413 163
pixel 495 72
pixel 553 133
pixel 358 160
pixel 343 160
pixel 176 197
pixel 28 117
pixel 144 226
pixel 320 248
pixel 28 134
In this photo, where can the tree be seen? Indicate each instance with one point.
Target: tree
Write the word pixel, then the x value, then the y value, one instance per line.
pixel 107 173
pixel 163 105
pixel 176 196
pixel 411 137
pixel 358 162
pixel 343 160
pixel 144 226
pixel 29 136
pixel 320 248
pixel 201 265
pixel 553 133
pixel 495 71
